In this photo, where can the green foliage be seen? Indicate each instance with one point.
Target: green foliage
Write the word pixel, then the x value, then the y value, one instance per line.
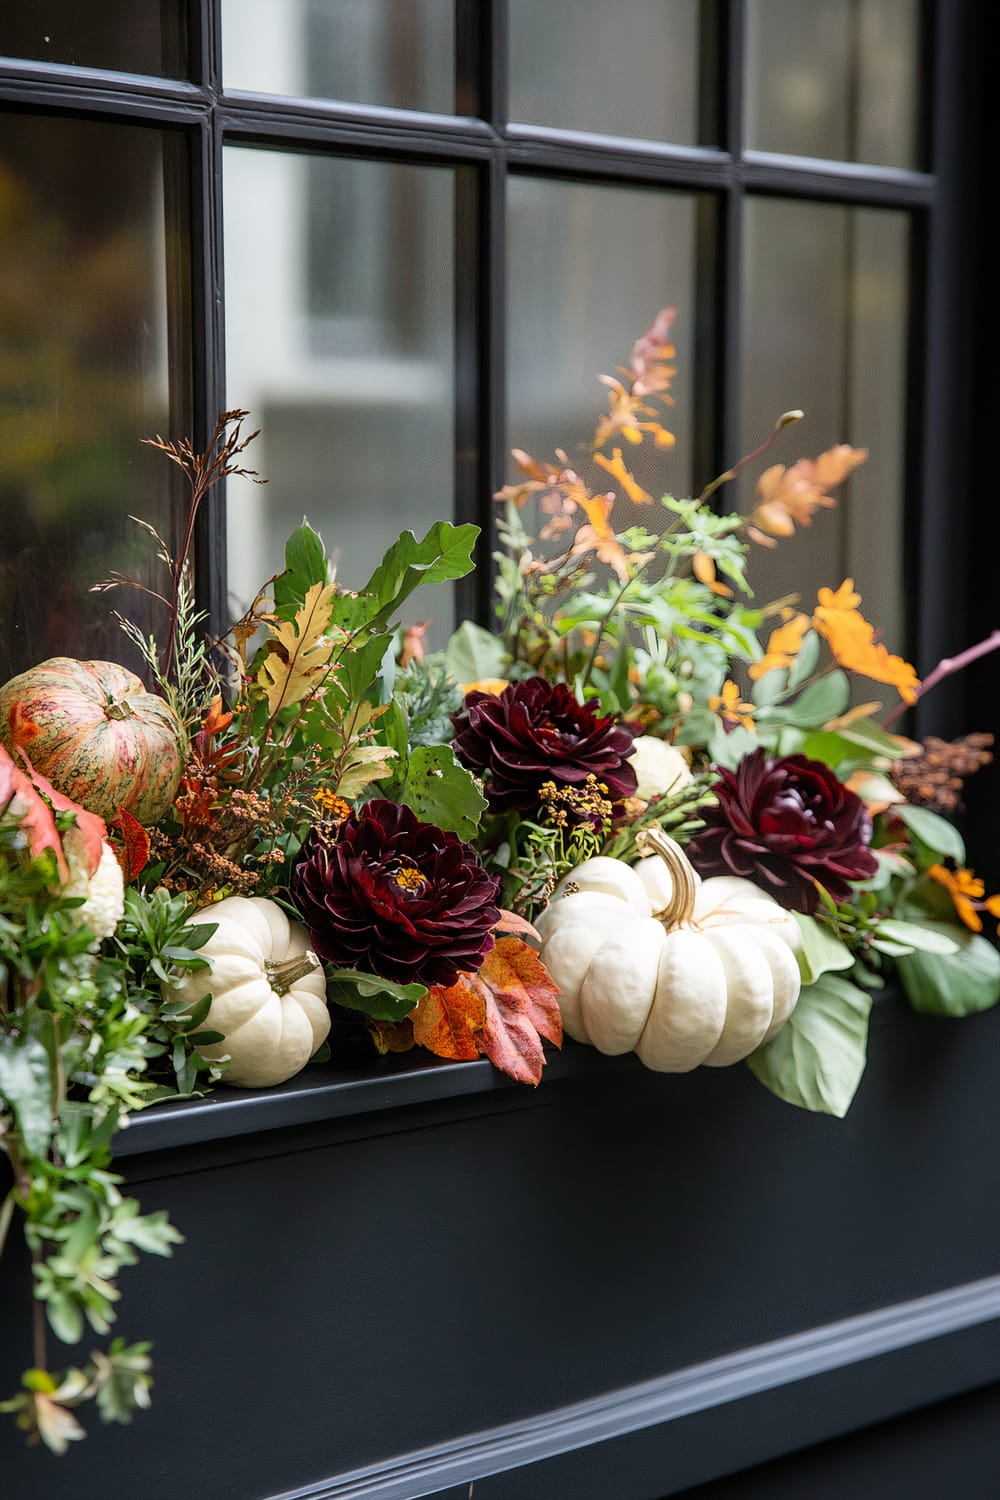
pixel 818 1057
pixel 81 1032
pixel 379 998
pixel 952 984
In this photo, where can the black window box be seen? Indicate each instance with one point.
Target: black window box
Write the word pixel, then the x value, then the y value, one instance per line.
pixel 403 1280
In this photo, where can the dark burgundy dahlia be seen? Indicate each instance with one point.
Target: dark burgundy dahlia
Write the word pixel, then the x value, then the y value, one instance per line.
pixel 395 897
pixel 536 732
pixel 785 824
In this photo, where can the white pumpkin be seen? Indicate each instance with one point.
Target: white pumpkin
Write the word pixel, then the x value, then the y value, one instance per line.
pixel 652 959
pixel 268 991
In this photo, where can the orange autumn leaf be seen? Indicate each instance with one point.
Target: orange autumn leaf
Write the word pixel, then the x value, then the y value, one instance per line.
pixel 789 497
pixel 521 1008
pixel 851 638
pixel 216 720
pixel 615 466
pixel 783 646
pixel 500 1013
pixel 449 1019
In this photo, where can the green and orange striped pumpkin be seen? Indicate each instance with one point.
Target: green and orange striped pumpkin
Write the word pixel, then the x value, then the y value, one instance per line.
pixel 98 735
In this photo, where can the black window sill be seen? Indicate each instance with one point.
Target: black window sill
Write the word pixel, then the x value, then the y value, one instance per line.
pixel 331 1091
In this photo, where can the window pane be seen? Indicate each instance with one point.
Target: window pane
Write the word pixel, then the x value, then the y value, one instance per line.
pixel 361 51
pixel 834 78
pixel 91 318
pixel 129 36
pixel 589 269
pixel 627 69
pixel 340 343
pixel 826 299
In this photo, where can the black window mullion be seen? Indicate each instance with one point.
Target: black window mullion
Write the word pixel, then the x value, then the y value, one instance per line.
pixel 941 456
pixel 728 297
pixel 208 320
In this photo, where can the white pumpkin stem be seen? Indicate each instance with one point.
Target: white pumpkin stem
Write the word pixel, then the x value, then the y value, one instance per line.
pixel 680 908
pixel 282 976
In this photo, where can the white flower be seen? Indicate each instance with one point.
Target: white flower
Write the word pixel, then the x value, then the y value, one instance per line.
pixel 660 768
pixel 103 892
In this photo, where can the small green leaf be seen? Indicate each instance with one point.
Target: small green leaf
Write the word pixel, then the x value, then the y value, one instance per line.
pixel 925 937
pixel 817 1059
pixel 305 564
pixel 824 699
pixel 940 836
pixel 375 997
pixel 820 951
pixel 26 1088
pixel 65 1319
pixel 474 654
pixel 955 984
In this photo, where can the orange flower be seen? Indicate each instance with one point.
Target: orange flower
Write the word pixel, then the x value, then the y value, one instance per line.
pixel 730 709
pixel 789 497
pixel 494 685
pixel 852 640
pixel 782 646
pixel 967 892
pixel 703 569
pixel 615 466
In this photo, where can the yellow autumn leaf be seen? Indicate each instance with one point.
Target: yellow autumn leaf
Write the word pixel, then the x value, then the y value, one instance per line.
pixel 299 651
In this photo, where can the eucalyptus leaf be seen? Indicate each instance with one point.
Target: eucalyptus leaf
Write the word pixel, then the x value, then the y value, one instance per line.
pixel 817 1059
pixel 375 997
pixel 940 836
pixel 925 937
pixel 822 700
pixel 806 661
pixel 820 952
pixel 954 984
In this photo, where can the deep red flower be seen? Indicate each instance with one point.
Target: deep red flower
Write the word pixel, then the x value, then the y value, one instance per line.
pixel 535 732
pixel 395 897
pixel 786 825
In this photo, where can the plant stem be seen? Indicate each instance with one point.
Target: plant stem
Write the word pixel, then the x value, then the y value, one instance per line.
pixel 946 667
pixel 785 420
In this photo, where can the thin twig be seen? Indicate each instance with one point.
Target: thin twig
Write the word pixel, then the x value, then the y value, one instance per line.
pixel 946 667
pixel 785 420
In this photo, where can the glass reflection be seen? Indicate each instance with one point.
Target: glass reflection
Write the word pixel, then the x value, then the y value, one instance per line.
pixel 129 36
pixel 340 343
pixel 90 302
pixel 628 69
pixel 589 269
pixel 826 291
pixel 834 78
pixel 361 51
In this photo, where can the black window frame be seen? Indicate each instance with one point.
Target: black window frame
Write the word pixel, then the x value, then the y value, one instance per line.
pixel 941 201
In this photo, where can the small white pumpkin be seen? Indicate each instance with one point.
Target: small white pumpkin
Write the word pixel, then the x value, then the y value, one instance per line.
pixel 268 991
pixel 654 960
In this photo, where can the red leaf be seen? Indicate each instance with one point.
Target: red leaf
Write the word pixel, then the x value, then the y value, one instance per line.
pixel 132 845
pixel 521 1007
pixel 35 800
pixel 511 922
